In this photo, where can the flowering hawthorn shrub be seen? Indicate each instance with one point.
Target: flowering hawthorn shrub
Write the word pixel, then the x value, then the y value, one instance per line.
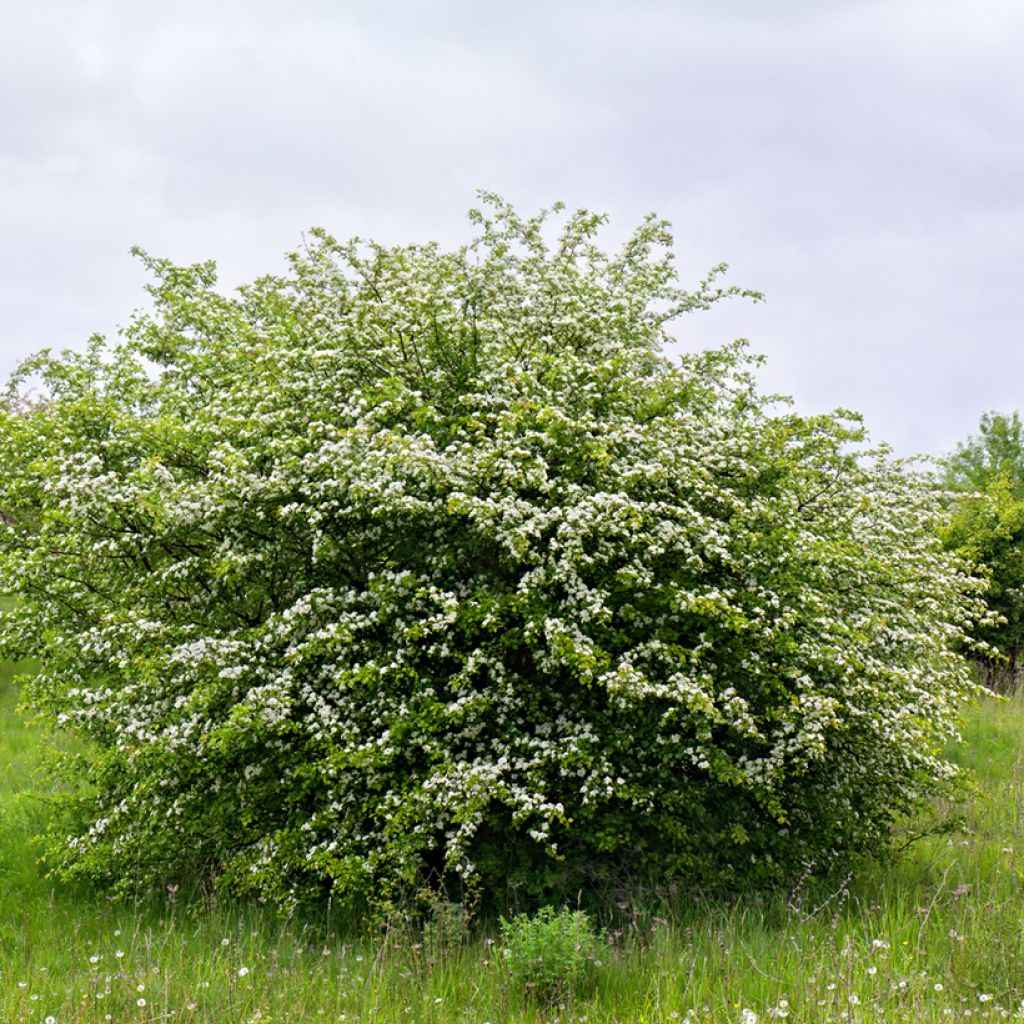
pixel 415 562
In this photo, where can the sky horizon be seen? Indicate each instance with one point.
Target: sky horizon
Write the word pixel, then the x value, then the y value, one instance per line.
pixel 861 164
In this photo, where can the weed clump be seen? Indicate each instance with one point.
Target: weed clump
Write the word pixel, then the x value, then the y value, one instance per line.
pixel 553 955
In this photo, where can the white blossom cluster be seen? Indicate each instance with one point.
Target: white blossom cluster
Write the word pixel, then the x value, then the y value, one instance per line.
pixel 418 561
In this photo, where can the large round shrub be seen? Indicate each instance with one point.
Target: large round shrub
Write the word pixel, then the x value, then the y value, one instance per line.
pixel 415 563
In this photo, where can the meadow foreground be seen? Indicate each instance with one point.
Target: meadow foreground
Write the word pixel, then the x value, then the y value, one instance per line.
pixel 934 937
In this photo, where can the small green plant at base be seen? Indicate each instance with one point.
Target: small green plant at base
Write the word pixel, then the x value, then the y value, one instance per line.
pixel 553 955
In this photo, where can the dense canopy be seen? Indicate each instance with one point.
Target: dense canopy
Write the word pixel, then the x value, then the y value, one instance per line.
pixel 414 564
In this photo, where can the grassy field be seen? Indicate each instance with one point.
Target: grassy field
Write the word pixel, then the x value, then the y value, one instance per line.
pixel 935 937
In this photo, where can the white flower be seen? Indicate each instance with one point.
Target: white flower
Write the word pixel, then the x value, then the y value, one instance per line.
pixel 243 971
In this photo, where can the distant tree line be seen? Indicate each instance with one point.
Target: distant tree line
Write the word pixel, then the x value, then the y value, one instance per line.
pixel 985 475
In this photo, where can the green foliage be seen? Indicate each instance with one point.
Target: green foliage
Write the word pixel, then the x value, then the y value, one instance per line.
pixel 996 452
pixel 413 565
pixel 986 524
pixel 551 956
pixel 446 926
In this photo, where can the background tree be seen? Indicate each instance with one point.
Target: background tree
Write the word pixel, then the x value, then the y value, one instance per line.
pixel 416 564
pixel 995 452
pixel 986 525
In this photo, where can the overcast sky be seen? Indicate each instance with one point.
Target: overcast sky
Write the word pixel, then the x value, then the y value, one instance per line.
pixel 862 163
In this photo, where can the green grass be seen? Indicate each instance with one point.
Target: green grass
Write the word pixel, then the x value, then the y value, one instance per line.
pixel 935 937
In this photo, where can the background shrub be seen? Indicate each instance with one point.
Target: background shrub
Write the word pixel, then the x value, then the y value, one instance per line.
pixel 413 564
